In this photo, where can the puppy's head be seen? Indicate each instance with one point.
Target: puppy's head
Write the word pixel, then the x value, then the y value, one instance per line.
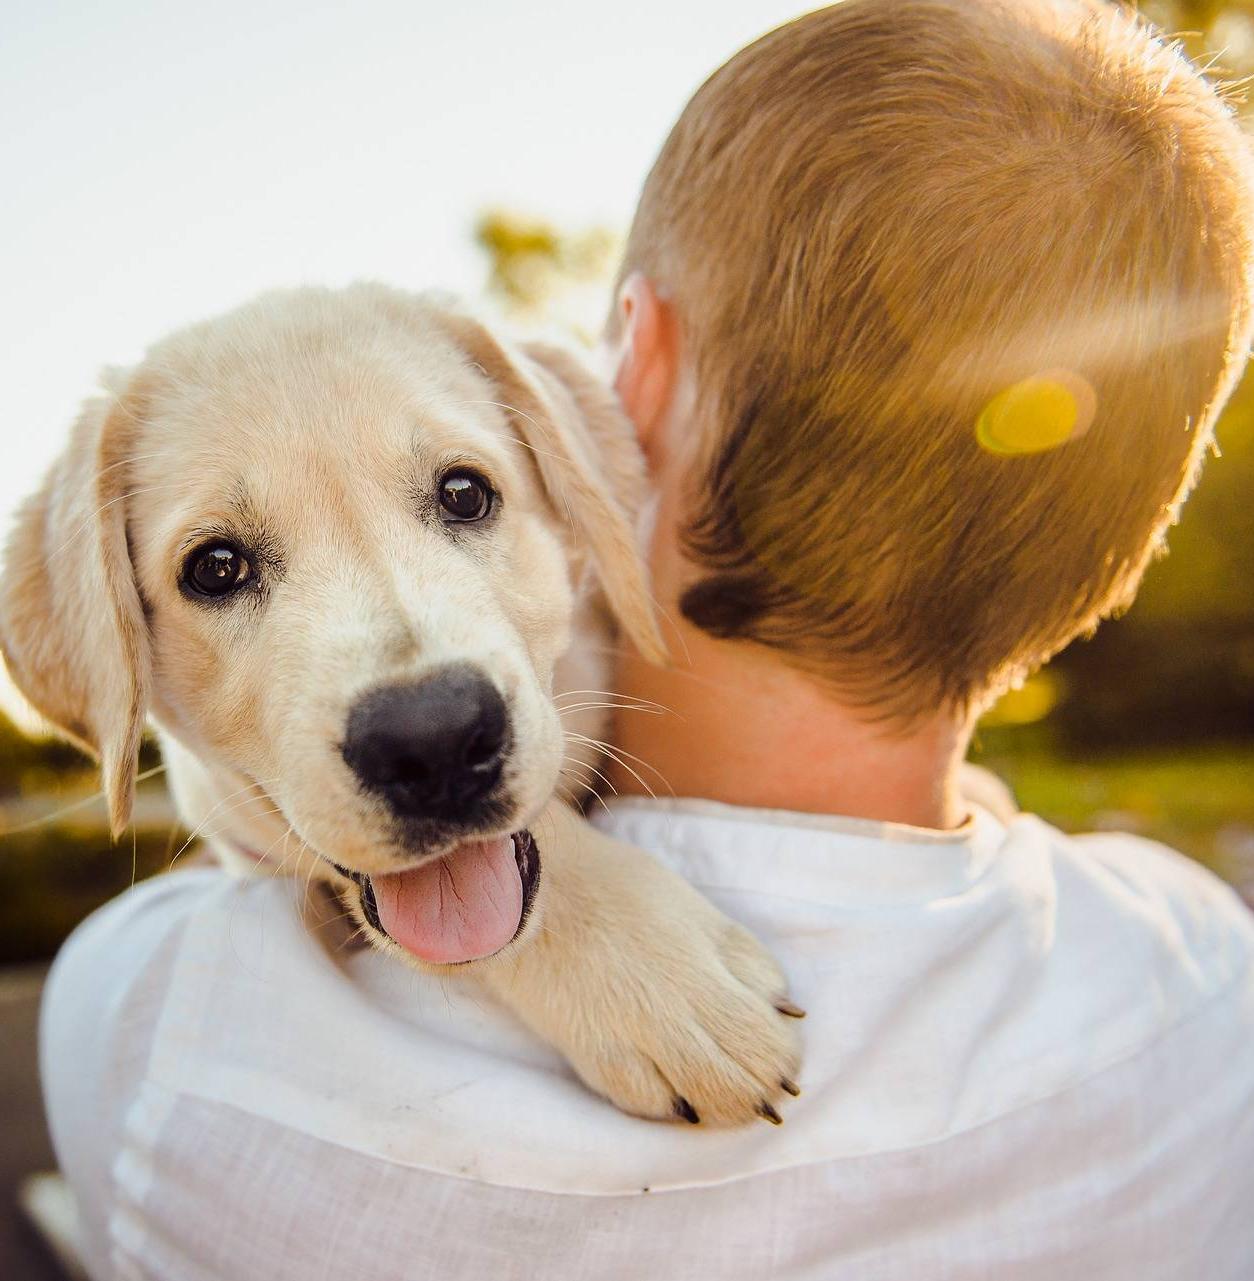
pixel 330 542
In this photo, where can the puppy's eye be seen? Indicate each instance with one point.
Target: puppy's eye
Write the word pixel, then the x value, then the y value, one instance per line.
pixel 465 496
pixel 216 570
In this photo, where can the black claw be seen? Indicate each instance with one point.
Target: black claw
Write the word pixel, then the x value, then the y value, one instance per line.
pixel 685 1111
pixel 789 1086
pixel 785 1006
pixel 768 1113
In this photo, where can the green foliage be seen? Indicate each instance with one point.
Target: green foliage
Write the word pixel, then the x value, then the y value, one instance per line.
pixel 537 272
pixel 1200 802
pixel 1209 573
pixel 54 875
pixel 27 764
pixel 1179 667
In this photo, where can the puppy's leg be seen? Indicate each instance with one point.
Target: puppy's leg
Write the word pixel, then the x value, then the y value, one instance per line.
pixel 658 1001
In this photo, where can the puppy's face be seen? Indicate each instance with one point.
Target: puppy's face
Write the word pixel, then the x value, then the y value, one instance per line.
pixel 356 590
pixel 355 581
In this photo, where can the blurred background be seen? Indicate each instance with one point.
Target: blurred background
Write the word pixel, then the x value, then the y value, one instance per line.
pixel 165 161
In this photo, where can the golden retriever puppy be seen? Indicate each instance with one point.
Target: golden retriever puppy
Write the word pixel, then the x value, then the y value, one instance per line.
pixel 344 549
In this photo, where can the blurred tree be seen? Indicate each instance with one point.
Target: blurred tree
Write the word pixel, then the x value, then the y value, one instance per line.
pixel 1179 667
pixel 542 275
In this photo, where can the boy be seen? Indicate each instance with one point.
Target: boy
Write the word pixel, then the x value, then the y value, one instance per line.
pixel 927 312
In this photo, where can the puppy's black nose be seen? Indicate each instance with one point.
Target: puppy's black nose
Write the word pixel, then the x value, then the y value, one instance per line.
pixel 432 749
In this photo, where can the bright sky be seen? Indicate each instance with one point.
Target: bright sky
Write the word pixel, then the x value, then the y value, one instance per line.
pixel 163 161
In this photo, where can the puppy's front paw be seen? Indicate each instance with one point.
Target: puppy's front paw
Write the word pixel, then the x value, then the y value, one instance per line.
pixel 698 1028
pixel 658 1001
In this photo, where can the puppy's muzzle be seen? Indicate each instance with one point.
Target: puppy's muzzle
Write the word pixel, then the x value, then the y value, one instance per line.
pixel 433 749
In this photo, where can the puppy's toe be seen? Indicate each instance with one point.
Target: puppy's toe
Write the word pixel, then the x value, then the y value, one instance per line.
pixel 750 962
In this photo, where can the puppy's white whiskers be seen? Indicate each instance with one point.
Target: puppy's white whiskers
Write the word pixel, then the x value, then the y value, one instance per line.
pixel 596 771
pixel 214 810
pixel 567 709
pixel 586 789
pixel 616 694
pixel 264 857
pixel 74 807
pixel 618 754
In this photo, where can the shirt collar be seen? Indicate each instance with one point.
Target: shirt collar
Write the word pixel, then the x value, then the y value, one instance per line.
pixel 826 858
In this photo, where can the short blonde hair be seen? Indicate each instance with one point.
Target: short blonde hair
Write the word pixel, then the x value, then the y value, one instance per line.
pixel 879 225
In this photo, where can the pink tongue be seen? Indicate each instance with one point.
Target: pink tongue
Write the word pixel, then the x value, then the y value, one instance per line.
pixel 461 907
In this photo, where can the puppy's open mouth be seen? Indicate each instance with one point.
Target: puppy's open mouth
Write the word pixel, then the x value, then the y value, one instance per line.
pixel 466 905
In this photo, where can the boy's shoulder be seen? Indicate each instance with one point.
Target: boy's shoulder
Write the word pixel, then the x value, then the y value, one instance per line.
pixel 1156 874
pixel 1116 885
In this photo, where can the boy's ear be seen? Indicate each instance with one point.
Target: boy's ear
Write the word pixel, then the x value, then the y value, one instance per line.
pixel 647 364
pixel 72 627
pixel 586 454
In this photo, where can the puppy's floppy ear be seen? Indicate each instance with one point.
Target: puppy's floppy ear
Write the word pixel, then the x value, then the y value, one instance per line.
pixel 585 450
pixel 71 624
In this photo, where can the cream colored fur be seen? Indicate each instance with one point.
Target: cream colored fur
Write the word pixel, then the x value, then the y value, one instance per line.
pixel 312 424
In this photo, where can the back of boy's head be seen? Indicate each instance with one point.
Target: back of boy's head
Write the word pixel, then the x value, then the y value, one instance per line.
pixel 912 246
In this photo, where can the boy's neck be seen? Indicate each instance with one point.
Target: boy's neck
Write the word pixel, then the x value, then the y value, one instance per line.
pixel 742 728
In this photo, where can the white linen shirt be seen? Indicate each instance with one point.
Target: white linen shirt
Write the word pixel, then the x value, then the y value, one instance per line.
pixel 1027 1057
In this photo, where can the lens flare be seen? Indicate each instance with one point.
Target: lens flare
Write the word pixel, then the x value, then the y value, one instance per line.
pixel 1038 414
